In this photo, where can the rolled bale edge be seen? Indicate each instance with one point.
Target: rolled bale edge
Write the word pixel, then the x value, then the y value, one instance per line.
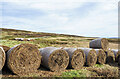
pixel 23 59
pixel 55 59
pixel 101 56
pixel 91 56
pixel 2 58
pixel 116 53
pixel 76 58
pixel 110 57
pixel 6 48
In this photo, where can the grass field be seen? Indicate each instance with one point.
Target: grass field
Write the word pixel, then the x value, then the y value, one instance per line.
pixel 59 40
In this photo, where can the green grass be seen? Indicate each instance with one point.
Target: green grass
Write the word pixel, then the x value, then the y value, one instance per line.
pixel 99 65
pixel 74 73
pixel 12 43
pixel 77 73
pixel 63 39
pixel 45 41
pixel 40 42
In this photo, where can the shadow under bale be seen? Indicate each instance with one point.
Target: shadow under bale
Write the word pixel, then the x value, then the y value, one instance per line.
pixel 119 61
pixel 110 57
pixel 101 43
pixel 2 58
pixel 76 58
pixel 101 56
pixel 55 59
pixel 91 56
pixel 23 59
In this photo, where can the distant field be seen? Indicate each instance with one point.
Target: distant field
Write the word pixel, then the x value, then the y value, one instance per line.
pixel 49 39
pixel 58 40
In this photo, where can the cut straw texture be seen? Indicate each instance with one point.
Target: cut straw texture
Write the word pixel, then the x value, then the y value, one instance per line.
pixel 110 57
pixel 76 58
pixel 6 48
pixel 2 58
pixel 55 59
pixel 91 56
pixel 101 43
pixel 101 56
pixel 23 59
pixel 117 54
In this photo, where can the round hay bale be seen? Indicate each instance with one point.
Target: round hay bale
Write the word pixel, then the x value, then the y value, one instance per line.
pixel 76 58
pixel 6 48
pixel 91 56
pixel 23 59
pixel 55 59
pixel 101 43
pixel 110 57
pixel 101 56
pixel 2 58
pixel 116 53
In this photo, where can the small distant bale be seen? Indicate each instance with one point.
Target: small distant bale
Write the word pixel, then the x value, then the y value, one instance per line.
pixel 76 58
pixel 2 58
pixel 29 39
pixel 21 39
pixel 55 59
pixel 16 39
pixel 101 56
pixel 110 57
pixel 91 56
pixel 101 43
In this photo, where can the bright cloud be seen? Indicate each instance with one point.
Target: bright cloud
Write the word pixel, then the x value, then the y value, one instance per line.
pixel 78 17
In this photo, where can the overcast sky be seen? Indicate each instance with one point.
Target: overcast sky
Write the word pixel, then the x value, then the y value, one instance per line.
pixel 77 17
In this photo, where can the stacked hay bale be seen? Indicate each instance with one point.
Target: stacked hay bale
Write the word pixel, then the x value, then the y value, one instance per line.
pixel 55 59
pixel 2 58
pixel 117 55
pixel 76 58
pixel 91 56
pixel 23 59
pixel 102 43
pixel 101 56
